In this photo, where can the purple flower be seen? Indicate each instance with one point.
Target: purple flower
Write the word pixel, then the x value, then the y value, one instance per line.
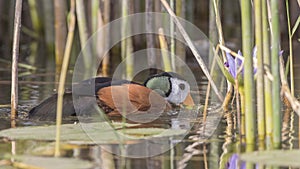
pixel 234 63
pixel 234 163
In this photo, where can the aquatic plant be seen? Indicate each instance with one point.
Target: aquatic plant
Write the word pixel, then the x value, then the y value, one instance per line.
pixel 235 65
pixel 235 163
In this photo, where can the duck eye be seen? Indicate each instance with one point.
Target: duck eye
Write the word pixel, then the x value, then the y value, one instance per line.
pixel 181 86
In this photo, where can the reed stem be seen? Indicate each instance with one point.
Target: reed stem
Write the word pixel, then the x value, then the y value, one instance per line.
pixel 48 21
pixel 267 82
pixel 94 14
pixel 243 119
pixel 216 35
pixel 126 44
pixel 129 59
pixel 275 43
pixel 172 38
pixel 60 27
pixel 164 50
pixel 149 37
pixel 193 49
pixel 106 18
pixel 213 32
pixel 62 78
pixel 35 18
pixel 248 71
pixel 15 56
pixel 260 70
pixel 179 48
pixel 290 48
pixel 84 35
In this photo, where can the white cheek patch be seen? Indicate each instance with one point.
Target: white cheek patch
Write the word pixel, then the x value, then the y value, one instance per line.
pixel 178 94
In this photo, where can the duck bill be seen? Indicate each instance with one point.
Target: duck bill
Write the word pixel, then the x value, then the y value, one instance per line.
pixel 188 100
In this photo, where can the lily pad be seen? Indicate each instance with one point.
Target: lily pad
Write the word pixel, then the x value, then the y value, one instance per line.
pixel 50 162
pixel 273 157
pixel 101 133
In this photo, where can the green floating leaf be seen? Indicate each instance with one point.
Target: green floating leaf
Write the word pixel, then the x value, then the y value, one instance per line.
pixel 152 132
pixel 50 162
pixel 88 133
pixel 118 125
pixel 273 157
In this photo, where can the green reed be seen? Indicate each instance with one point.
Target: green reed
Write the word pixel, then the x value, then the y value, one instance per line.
pixel 267 81
pixel 84 35
pixel 275 43
pixel 126 43
pixel 260 70
pixel 164 50
pixel 248 70
pixel 35 17
pixel 105 41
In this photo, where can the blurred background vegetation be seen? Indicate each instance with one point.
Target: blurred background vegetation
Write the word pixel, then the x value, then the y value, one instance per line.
pixel 42 18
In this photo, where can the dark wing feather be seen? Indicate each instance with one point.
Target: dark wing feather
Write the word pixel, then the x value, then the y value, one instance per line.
pixel 84 92
pixel 46 111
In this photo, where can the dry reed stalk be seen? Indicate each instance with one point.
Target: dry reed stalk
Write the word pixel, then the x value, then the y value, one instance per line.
pixel 193 49
pixel 15 56
pixel 62 78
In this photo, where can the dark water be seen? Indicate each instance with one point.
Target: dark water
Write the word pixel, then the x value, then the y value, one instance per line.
pixel 35 87
pixel 211 151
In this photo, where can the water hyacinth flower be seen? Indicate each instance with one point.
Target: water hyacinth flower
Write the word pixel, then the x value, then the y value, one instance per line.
pixel 233 64
pixel 234 163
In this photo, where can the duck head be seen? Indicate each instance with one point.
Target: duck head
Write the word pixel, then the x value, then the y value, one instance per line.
pixel 172 87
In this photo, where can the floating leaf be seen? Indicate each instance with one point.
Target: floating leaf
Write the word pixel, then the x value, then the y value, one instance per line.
pixel 49 162
pixel 154 132
pixel 273 157
pixel 88 133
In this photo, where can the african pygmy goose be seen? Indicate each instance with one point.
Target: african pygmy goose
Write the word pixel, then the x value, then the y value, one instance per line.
pixel 159 92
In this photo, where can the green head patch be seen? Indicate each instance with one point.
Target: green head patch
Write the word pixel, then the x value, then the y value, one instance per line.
pixel 159 84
